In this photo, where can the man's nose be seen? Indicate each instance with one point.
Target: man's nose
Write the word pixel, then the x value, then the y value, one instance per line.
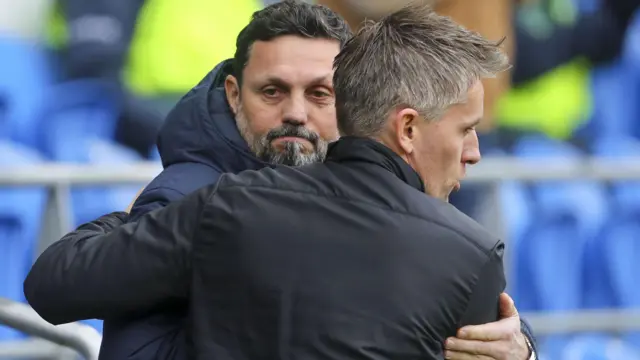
pixel 471 153
pixel 295 110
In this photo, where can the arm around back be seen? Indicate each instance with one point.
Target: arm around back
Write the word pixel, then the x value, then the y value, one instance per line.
pixel 100 271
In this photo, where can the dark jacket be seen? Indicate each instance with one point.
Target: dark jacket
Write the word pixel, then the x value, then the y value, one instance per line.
pixel 347 259
pixel 198 142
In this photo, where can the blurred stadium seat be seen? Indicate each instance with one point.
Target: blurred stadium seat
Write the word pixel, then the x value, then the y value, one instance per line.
pixel 619 243
pixel 24 76
pixel 551 256
pixel 95 201
pixel 77 113
pixel 567 214
pixel 80 128
pixel 631 54
pixel 598 347
pixel 614 111
pixel 20 217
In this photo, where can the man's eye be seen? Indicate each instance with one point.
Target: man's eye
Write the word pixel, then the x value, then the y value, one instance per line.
pixel 319 94
pixel 270 92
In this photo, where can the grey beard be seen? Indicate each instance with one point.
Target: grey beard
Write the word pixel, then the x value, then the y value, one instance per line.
pixel 293 154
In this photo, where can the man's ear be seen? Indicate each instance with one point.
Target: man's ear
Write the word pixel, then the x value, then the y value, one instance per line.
pixel 405 128
pixel 232 90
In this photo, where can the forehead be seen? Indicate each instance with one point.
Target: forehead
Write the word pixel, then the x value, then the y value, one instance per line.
pixel 292 59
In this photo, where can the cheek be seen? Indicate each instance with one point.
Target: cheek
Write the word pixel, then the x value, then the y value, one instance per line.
pixel 261 117
pixel 324 121
pixel 454 152
pixel 445 154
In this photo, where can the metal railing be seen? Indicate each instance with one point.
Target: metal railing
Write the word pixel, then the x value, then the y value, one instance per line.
pixel 58 178
pixel 62 342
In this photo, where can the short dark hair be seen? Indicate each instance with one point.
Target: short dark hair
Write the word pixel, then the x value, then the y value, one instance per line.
pixel 288 17
pixel 412 57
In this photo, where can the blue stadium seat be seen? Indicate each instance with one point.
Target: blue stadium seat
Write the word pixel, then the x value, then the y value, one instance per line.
pixel 619 244
pixel 626 194
pixel 79 112
pixel 616 93
pixel 631 52
pixel 21 210
pixel 631 59
pixel 568 214
pixel 598 347
pixel 94 201
pixel 24 77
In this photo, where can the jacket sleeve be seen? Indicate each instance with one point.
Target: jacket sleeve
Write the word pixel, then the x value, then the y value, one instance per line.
pixel 153 199
pixel 172 184
pixel 484 305
pixel 103 272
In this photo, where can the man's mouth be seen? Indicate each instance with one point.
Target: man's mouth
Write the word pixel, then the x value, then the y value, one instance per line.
pixel 284 139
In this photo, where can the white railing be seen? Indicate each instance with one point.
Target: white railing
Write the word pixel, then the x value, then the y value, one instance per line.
pixel 65 341
pixel 58 178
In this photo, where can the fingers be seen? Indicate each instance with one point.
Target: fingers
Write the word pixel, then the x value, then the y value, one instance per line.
pixel 469 346
pixel 488 332
pixel 455 355
pixel 507 306
pixel 469 349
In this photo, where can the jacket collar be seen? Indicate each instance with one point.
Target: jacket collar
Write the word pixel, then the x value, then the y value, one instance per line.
pixel 351 148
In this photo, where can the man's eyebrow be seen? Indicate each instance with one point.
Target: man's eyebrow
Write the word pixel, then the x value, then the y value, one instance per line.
pixel 275 80
pixel 321 79
pixel 476 122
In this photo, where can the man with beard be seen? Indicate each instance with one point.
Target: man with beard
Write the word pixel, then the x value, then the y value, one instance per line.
pixel 272 104
pixel 283 101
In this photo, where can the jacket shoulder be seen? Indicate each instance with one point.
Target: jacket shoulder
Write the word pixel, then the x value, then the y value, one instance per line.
pixel 449 216
pixel 172 184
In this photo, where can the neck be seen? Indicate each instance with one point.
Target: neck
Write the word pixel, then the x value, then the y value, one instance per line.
pixel 387 140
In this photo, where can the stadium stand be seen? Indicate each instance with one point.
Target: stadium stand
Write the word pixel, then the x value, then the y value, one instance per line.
pixel 20 217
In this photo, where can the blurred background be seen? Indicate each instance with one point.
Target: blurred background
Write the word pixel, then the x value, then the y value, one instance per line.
pixel 85 84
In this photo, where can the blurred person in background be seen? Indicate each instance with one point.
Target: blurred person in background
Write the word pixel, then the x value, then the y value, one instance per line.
pixel 146 52
pixel 504 340
pixel 201 139
pixel 557 45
